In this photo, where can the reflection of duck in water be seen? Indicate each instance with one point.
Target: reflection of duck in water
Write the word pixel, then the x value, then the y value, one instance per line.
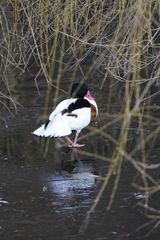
pixel 72 114
pixel 78 177
pixel 80 170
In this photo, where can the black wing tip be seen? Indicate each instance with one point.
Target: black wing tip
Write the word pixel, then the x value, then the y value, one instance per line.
pixel 46 124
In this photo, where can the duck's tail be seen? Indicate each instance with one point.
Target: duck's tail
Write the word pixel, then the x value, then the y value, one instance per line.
pixel 40 131
pixel 56 128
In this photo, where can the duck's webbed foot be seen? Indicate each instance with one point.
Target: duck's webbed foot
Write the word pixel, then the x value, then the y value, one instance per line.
pixel 76 145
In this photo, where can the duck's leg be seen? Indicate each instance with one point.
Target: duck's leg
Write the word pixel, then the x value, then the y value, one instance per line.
pixel 75 144
pixel 68 140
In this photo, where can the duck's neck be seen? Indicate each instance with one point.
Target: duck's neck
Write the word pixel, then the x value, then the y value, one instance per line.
pixel 92 102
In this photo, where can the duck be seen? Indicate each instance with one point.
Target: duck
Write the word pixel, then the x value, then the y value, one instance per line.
pixel 71 115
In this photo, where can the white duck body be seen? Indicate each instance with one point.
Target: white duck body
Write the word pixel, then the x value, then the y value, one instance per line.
pixel 83 118
pixel 61 123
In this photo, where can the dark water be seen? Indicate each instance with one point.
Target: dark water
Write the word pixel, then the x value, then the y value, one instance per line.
pixel 45 194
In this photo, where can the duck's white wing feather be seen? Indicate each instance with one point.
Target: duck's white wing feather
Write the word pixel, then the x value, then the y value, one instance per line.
pixel 62 125
pixel 57 126
pixel 61 106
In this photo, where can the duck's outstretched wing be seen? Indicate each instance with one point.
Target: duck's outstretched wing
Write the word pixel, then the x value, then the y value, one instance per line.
pixel 61 107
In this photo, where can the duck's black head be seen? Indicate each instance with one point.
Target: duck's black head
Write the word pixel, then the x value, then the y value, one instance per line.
pixel 79 90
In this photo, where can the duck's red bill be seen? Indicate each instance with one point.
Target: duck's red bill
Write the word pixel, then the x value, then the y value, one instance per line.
pixel 89 96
